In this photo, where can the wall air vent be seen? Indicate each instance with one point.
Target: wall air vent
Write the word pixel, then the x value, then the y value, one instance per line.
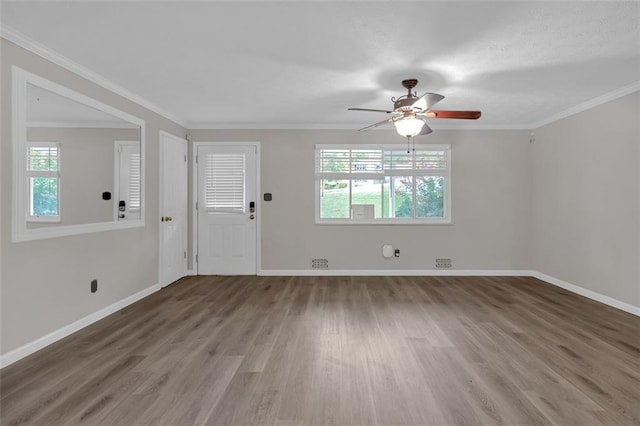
pixel 319 264
pixel 444 263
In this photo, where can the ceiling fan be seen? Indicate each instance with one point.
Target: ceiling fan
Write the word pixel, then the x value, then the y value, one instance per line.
pixel 410 112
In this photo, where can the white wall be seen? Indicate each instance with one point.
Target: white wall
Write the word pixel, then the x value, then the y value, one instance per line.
pixel 491 186
pixel 45 283
pixel 586 189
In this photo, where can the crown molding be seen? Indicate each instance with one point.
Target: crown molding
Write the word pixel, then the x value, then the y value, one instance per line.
pixel 31 45
pixel 51 55
pixel 342 126
pixel 592 103
pixel 82 125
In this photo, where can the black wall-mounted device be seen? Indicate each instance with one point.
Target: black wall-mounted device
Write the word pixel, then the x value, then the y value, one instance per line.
pixel 106 195
pixel 268 196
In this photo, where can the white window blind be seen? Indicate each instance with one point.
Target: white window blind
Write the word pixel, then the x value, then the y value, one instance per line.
pixel 43 159
pixel 345 163
pixel 398 160
pixel 134 181
pixel 225 183
pixel 128 184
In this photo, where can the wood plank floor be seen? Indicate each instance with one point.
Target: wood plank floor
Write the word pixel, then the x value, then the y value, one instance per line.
pixel 339 351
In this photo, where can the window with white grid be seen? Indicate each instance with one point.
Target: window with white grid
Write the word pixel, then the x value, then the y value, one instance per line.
pixel 383 184
pixel 43 181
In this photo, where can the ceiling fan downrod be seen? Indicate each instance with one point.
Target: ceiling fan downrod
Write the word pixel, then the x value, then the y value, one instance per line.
pixel 410 84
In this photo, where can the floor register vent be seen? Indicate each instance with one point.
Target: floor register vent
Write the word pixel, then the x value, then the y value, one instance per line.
pixel 319 264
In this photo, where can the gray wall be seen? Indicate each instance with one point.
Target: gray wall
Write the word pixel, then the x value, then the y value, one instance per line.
pixel 45 283
pixel 566 205
pixel 87 170
pixel 491 187
pixel 586 185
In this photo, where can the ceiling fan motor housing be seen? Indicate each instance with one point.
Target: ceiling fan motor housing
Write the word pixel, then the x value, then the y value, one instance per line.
pixel 405 104
pixel 410 112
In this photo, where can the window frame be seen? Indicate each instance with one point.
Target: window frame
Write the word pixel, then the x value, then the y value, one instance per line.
pixel 28 190
pixel 20 231
pixel 352 176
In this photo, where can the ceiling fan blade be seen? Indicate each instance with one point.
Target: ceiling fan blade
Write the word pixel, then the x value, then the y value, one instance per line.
pixel 427 101
pixel 378 124
pixel 425 129
pixel 466 115
pixel 369 109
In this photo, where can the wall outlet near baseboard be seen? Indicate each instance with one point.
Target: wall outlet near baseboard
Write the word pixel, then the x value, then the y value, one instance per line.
pixel 443 263
pixel 319 264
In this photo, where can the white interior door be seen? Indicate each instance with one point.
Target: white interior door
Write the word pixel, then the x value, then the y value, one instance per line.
pixel 227 209
pixel 173 208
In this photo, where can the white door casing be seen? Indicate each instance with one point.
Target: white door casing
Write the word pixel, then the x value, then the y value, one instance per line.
pixel 173 208
pixel 226 216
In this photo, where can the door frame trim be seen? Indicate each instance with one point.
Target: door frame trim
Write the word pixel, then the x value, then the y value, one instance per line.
pixel 194 197
pixel 162 134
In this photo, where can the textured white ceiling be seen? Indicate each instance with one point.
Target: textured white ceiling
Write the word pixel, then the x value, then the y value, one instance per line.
pixel 298 64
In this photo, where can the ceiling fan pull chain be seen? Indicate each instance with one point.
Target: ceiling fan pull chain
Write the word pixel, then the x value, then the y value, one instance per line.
pixel 408 144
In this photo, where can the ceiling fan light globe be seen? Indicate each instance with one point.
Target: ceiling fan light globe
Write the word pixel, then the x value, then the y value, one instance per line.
pixel 410 126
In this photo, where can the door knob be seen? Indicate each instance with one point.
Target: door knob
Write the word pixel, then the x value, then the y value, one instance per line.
pixel 166 219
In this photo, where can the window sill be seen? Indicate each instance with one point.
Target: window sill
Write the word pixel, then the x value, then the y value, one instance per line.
pixel 43 219
pixel 393 222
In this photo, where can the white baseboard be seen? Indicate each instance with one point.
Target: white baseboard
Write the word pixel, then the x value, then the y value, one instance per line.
pixel 29 348
pixel 635 310
pixel 395 272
